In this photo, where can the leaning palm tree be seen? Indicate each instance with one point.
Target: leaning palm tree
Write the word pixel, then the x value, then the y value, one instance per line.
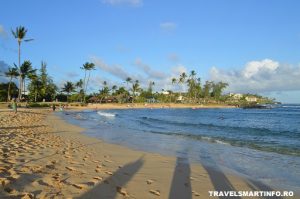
pixel 87 67
pixel 20 34
pixel 68 88
pixel 11 73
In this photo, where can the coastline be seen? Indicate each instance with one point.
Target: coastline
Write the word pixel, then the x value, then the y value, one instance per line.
pixel 71 164
pixel 147 105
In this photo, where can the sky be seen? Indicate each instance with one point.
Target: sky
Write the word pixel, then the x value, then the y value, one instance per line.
pixel 253 45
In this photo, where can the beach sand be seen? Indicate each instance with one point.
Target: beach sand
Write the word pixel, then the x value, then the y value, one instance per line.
pixel 44 157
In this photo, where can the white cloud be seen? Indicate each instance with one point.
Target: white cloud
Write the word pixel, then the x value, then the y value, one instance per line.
pixel 148 70
pixel 162 80
pixel 115 70
pixel 260 76
pixel 168 26
pixel 124 2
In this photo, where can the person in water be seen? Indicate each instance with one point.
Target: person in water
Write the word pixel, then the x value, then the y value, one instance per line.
pixel 14 105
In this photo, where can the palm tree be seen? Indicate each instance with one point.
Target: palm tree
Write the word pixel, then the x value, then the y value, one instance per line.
pixel 174 80
pixel 25 71
pixel 182 78
pixel 79 86
pixel 87 67
pixel 114 88
pixel 20 34
pixel 128 80
pixel 11 73
pixel 68 88
pixel 36 82
pixel 135 88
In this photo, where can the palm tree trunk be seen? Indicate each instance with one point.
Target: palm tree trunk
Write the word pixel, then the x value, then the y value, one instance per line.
pixel 8 92
pixel 87 84
pixel 35 96
pixel 20 78
pixel 84 83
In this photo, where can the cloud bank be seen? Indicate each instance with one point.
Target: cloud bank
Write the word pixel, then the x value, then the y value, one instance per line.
pixel 260 76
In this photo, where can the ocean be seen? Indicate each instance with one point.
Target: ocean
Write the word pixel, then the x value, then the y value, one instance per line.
pixel 260 144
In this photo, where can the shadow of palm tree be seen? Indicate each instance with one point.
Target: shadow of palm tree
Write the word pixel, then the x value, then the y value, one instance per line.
pixel 181 186
pixel 259 186
pixel 108 188
pixel 219 180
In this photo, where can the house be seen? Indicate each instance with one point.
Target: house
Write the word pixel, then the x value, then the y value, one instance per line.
pixel 251 99
pixel 165 92
pixel 236 96
pixel 179 98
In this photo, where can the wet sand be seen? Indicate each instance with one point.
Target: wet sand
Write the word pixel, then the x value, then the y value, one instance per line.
pixel 44 157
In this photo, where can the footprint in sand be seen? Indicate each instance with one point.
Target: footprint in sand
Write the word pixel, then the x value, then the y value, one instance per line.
pixel 71 168
pixel 122 191
pixel 150 181
pixel 155 192
pixel 97 178
pixel 195 193
pixel 80 186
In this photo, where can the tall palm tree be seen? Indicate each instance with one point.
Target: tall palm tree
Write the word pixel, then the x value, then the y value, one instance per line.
pixel 11 73
pixel 20 34
pixel 114 88
pixel 128 80
pixel 87 67
pixel 79 86
pixel 135 88
pixel 182 78
pixel 68 88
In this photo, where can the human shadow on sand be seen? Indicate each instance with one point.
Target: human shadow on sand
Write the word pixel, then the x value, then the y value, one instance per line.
pixel 181 186
pixel 108 188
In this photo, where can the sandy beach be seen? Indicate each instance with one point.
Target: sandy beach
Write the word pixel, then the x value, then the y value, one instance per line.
pixel 44 157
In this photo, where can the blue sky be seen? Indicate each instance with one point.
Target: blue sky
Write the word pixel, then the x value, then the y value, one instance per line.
pixel 252 44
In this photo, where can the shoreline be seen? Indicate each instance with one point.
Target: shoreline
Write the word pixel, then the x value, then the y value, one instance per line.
pixel 71 164
pixel 147 105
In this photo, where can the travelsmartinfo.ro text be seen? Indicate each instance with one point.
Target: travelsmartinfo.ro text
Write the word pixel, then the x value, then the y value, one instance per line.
pixel 250 193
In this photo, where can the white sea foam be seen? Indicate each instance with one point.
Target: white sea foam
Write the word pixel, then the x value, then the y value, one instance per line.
pixel 106 114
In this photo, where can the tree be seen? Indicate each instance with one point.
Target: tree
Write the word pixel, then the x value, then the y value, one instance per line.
pixel 87 67
pixel 182 78
pixel 11 74
pixel 25 71
pixel 79 86
pixel 68 88
pixel 135 88
pixel 128 80
pixel 20 34
pixel 218 88
pixel 104 91
pixel 207 88
pixel 114 88
pixel 35 86
pixel 150 88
